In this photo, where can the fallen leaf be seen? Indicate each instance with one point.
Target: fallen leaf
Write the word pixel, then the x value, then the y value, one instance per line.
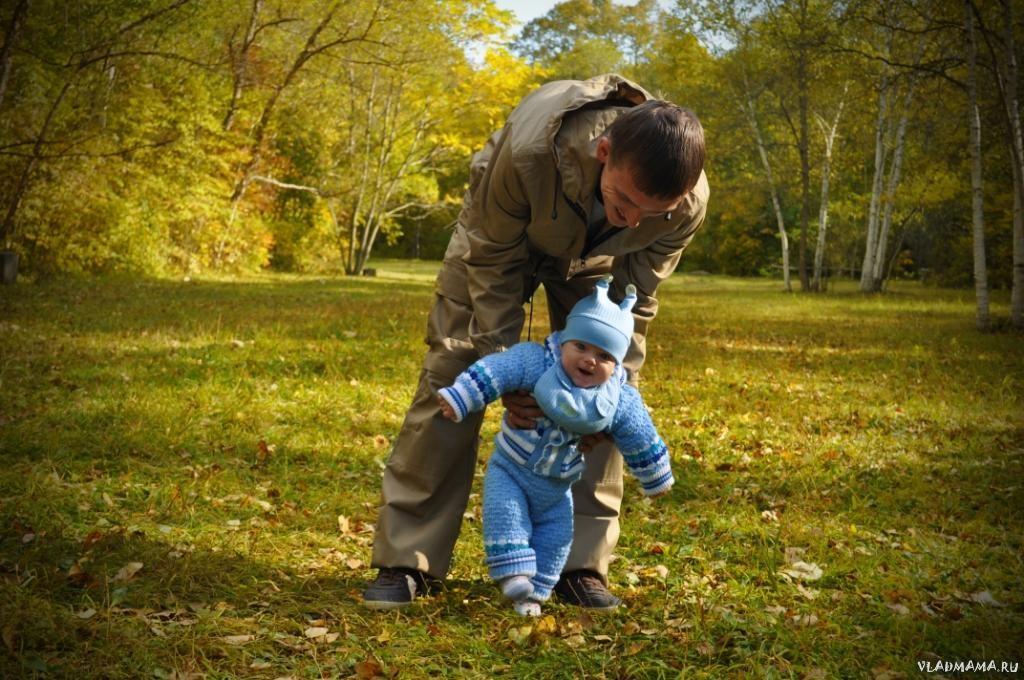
pixel 127 571
pixel 803 571
pixel 985 597
pixel 898 608
pixel 815 674
pixel 260 665
pixel 576 640
pixel 547 625
pixel 775 610
pixel 380 441
pixel 369 669
pixel 808 593
pixel 315 631
pixel 238 639
pixel 343 525
pixel 602 638
pixel 86 613
pixel 519 634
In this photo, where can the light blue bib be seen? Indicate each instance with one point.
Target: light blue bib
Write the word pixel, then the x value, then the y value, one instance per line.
pixel 578 409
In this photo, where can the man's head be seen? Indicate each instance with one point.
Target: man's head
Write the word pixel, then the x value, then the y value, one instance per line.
pixel 653 155
pixel 597 336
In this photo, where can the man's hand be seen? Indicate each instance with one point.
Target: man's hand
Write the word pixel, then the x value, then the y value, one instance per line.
pixel 446 409
pixel 522 409
pixel 589 441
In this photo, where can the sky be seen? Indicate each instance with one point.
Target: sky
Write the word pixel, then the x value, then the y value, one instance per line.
pixel 531 9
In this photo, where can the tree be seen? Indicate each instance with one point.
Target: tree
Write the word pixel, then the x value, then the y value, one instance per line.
pixel 977 200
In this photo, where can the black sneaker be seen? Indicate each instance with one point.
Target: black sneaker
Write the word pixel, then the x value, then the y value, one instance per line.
pixel 396 587
pixel 584 588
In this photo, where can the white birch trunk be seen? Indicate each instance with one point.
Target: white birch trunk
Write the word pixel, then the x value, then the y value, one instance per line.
pixel 826 170
pixel 868 266
pixel 977 198
pixel 780 221
pixel 878 275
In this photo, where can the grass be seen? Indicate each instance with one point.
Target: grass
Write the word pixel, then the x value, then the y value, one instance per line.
pixel 229 435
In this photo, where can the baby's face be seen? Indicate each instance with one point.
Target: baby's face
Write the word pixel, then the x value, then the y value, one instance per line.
pixel 586 365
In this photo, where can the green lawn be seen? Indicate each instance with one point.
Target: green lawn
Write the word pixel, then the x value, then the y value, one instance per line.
pixel 191 471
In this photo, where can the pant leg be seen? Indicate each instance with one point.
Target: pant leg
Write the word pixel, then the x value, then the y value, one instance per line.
pixel 552 538
pixel 597 497
pixel 507 526
pixel 429 474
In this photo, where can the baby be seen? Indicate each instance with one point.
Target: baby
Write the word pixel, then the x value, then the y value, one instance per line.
pixel 579 383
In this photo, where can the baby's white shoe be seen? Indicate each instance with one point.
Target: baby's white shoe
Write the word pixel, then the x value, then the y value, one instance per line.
pixel 517 588
pixel 527 608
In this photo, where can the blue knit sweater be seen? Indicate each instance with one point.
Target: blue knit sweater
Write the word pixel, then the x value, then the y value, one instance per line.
pixel 550 450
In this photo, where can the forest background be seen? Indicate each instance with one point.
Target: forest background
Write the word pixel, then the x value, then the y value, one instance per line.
pixel 172 137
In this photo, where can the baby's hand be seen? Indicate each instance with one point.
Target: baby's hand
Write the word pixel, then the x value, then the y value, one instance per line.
pixel 446 409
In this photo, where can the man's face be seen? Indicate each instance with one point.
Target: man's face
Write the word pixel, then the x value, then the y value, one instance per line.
pixel 586 365
pixel 624 204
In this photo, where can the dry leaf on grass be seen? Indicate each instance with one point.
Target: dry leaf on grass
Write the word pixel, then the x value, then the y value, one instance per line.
pixel 985 597
pixel 803 571
pixel 127 571
pixel 238 639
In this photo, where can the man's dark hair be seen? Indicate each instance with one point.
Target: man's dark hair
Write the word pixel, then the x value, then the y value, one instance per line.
pixel 663 144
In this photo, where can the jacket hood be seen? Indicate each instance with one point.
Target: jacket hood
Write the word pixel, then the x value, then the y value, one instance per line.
pixel 547 117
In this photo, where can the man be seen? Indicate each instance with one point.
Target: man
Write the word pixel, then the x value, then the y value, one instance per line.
pixel 586 178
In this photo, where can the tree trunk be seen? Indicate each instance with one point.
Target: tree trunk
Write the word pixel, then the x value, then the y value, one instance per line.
pixel 17 18
pixel 977 198
pixel 783 237
pixel 826 169
pixel 7 226
pixel 868 267
pixel 804 143
pixel 241 63
pixel 878 275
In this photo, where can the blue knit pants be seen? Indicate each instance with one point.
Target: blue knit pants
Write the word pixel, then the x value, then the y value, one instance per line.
pixel 527 524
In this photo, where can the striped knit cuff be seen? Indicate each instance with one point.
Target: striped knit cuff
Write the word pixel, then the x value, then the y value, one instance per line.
pixel 542 587
pixel 454 400
pixel 516 563
pixel 659 485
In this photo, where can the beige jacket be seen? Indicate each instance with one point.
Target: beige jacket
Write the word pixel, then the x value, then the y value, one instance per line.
pixel 530 193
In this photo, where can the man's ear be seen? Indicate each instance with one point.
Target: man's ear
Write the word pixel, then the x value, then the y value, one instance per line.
pixel 604 149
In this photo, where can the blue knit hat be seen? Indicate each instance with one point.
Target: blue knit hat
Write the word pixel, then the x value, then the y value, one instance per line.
pixel 597 320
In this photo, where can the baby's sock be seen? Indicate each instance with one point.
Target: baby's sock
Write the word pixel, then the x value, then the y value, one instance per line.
pixel 517 588
pixel 527 608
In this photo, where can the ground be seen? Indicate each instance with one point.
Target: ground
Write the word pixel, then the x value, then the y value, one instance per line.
pixel 191 471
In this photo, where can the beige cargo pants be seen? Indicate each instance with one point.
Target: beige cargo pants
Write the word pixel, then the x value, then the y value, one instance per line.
pixel 429 473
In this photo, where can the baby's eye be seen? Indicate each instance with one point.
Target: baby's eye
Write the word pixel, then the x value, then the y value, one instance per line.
pixel 604 356
pixel 580 346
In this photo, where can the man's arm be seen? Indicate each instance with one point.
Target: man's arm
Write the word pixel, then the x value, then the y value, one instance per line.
pixel 495 220
pixel 646 269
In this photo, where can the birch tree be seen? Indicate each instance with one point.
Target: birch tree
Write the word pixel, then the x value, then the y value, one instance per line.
pixel 750 111
pixel 828 132
pixel 977 195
